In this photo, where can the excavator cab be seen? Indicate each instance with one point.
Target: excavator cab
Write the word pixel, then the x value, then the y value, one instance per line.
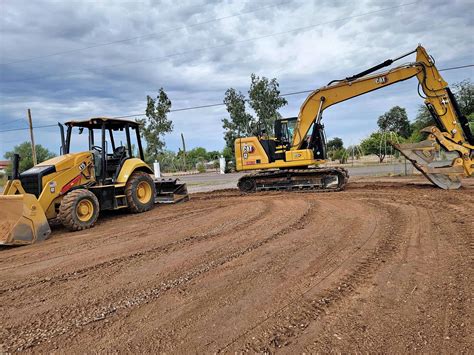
pixel 73 188
pixel 316 140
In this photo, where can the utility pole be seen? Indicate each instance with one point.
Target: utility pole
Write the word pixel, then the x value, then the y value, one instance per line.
pixel 33 148
pixel 184 151
pixel 352 155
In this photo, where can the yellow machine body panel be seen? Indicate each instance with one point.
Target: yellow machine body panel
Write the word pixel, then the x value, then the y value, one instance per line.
pixel 299 155
pixel 74 169
pixel 24 216
pixel 22 219
pixel 129 167
pixel 251 155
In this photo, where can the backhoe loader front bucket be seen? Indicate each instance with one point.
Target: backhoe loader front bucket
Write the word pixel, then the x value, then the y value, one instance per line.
pixel 22 220
pixel 170 191
pixel 442 168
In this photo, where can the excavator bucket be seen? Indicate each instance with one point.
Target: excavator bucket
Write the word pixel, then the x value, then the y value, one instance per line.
pixel 442 168
pixel 22 220
pixel 170 191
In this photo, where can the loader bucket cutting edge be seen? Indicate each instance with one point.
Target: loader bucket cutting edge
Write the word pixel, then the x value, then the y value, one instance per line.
pixel 22 220
pixel 422 156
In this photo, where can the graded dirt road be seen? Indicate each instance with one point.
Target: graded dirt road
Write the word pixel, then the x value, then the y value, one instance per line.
pixel 383 266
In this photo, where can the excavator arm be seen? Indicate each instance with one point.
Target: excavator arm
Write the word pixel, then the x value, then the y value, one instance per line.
pixel 451 133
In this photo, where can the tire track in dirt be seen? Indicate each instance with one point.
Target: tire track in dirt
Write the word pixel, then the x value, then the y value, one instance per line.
pixel 461 239
pixel 412 298
pixel 139 256
pixel 188 297
pixel 39 331
pixel 291 320
pixel 279 262
pixel 93 244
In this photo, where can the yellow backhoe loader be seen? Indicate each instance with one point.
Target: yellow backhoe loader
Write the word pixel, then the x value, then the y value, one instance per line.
pixel 74 187
pixel 284 161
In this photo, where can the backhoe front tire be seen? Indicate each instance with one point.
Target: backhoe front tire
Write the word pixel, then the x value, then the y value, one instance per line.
pixel 140 192
pixel 79 210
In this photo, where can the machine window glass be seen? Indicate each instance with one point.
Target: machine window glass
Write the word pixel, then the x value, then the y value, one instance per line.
pixel 120 139
pixel 284 132
pixel 291 129
pixel 79 140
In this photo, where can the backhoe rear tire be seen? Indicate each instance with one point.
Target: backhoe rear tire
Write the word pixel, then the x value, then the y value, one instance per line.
pixel 140 192
pixel 79 210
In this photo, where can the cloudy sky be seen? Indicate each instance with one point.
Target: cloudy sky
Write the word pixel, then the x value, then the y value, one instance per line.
pixel 79 59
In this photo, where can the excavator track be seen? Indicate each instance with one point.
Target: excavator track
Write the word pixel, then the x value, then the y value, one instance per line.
pixel 311 179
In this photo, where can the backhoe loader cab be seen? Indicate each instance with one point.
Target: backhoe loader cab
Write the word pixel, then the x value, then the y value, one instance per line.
pixel 104 138
pixel 74 187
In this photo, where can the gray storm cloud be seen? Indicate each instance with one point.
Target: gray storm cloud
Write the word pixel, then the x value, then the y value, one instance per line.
pixel 196 50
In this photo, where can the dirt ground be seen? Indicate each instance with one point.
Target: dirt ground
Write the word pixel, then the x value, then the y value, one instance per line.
pixel 385 266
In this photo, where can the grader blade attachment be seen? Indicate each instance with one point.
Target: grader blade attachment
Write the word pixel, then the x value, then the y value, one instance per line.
pixel 444 169
pixel 22 220
pixel 170 191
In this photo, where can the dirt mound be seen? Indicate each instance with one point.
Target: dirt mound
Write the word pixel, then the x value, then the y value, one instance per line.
pixel 386 265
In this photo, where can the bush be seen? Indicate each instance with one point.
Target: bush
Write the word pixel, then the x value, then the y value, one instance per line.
pixel 340 155
pixel 201 168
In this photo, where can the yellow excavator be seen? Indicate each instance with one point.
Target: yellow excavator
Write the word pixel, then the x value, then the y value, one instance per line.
pixel 74 187
pixel 287 161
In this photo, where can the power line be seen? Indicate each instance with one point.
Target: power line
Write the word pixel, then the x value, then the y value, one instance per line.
pixel 298 29
pixel 23 129
pixel 142 114
pixel 146 36
pixel 287 94
pixel 10 122
pixel 460 67
pixel 206 106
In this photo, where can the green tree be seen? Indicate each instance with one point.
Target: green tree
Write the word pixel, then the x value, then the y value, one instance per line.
pixel 464 93
pixel 423 119
pixel 265 100
pixel 229 157
pixel 227 154
pixel 373 144
pixel 471 122
pixel 335 144
pixel 213 155
pixel 156 124
pixel 395 120
pixel 195 156
pixel 240 123
pixel 26 156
